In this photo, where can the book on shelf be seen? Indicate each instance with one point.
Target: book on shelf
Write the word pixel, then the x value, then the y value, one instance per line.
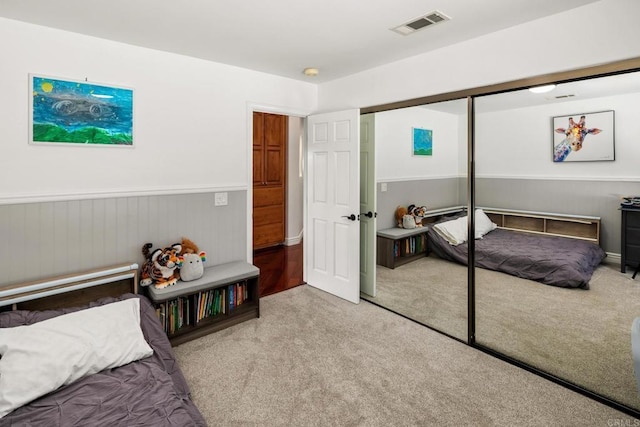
pixel 238 294
pixel 210 303
pixel 189 310
pixel 178 310
pixel 161 313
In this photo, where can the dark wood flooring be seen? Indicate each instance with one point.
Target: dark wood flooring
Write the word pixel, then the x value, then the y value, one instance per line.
pixel 280 268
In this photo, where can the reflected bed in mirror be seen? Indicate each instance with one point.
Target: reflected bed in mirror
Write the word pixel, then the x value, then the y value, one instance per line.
pixel 554 249
pixel 580 337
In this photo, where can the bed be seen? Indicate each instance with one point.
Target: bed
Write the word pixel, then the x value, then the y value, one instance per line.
pixel 149 390
pixel 554 249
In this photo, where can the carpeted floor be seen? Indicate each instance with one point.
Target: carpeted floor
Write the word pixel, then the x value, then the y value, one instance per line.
pixel 313 359
pixel 580 335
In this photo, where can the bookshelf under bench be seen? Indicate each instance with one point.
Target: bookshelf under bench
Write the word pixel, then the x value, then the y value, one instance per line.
pixel 225 295
pixel 398 246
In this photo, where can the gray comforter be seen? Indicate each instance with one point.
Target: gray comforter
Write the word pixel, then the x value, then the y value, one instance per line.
pixel 552 260
pixel 148 392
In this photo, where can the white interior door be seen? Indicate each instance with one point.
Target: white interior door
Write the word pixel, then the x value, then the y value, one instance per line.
pixel 367 205
pixel 332 230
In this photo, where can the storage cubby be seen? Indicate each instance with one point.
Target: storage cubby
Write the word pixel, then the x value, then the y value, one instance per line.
pixel 398 246
pixel 225 295
pixel 574 226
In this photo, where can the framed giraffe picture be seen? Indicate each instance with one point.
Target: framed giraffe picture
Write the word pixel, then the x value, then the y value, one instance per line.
pixel 584 137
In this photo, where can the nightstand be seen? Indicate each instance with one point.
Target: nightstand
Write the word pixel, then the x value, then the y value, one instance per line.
pixel 630 237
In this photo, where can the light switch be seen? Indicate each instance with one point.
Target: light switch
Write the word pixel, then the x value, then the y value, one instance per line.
pixel 221 199
pixel 383 187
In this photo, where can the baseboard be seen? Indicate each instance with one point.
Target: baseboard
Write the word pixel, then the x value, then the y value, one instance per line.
pixel 292 241
pixel 612 258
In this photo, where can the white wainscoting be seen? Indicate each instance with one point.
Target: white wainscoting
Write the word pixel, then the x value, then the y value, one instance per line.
pixel 58 237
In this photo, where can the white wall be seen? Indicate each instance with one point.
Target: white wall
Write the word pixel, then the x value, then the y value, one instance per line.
pixel 597 33
pixel 394 158
pixel 518 142
pixel 191 126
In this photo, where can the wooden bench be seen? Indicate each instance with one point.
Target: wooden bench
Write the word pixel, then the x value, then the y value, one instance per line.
pixel 220 285
pixel 398 246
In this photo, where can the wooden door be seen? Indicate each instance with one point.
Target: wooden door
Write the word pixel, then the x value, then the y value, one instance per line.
pixel 269 179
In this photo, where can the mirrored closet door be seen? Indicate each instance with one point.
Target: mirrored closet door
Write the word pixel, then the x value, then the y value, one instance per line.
pixel 557 164
pixel 421 161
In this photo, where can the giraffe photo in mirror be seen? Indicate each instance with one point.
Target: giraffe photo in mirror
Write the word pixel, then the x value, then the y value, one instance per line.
pixel 570 133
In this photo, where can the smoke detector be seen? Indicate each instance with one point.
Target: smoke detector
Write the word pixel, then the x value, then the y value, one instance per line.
pixel 421 23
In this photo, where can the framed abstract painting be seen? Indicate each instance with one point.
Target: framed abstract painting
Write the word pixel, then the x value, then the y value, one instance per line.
pixel 70 112
pixel 584 137
pixel 422 142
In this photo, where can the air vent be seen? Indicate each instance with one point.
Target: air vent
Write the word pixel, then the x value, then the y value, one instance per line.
pixel 420 23
pixel 569 95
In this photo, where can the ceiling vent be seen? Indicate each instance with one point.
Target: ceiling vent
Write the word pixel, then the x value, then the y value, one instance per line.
pixel 569 95
pixel 421 23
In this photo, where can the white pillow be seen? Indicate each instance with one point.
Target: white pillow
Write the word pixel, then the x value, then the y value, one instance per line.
pixel 454 231
pixel 483 224
pixel 39 358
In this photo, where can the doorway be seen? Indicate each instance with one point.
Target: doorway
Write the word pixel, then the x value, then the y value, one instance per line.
pixel 277 200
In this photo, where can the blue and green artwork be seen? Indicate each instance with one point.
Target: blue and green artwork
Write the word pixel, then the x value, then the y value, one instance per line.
pixel 422 142
pixel 71 112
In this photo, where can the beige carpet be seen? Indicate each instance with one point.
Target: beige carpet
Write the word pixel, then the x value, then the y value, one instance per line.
pixel 316 360
pixel 580 335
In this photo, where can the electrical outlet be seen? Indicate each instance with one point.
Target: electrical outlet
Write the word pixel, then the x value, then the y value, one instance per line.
pixel 221 199
pixel 383 187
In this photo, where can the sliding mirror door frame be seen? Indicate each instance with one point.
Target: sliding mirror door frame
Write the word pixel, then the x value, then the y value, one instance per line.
pixel 418 287
pixel 610 69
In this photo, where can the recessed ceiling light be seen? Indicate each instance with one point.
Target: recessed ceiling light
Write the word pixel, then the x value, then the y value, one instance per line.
pixel 311 72
pixel 542 89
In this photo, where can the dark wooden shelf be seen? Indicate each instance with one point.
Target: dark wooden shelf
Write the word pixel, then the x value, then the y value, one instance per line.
pixel 217 277
pixel 387 240
pixel 208 325
pixel 630 239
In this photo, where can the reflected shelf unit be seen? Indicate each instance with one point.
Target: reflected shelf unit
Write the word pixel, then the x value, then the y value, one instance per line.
pixel 573 226
pixel 398 246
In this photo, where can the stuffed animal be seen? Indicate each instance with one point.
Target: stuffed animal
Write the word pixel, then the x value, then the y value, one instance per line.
pixel 161 266
pixel 405 218
pixel 191 267
pixel 189 247
pixel 417 212
pixel 401 211
pixel 408 221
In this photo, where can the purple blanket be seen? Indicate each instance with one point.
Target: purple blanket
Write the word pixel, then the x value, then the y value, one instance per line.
pixel 149 392
pixel 552 260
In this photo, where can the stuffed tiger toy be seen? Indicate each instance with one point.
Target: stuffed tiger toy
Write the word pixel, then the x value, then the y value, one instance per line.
pixel 160 266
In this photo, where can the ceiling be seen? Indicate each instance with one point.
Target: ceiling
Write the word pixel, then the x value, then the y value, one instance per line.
pixel 282 37
pixel 621 84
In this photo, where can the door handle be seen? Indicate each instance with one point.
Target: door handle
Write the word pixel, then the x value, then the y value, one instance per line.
pixel 368 214
pixel 351 217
